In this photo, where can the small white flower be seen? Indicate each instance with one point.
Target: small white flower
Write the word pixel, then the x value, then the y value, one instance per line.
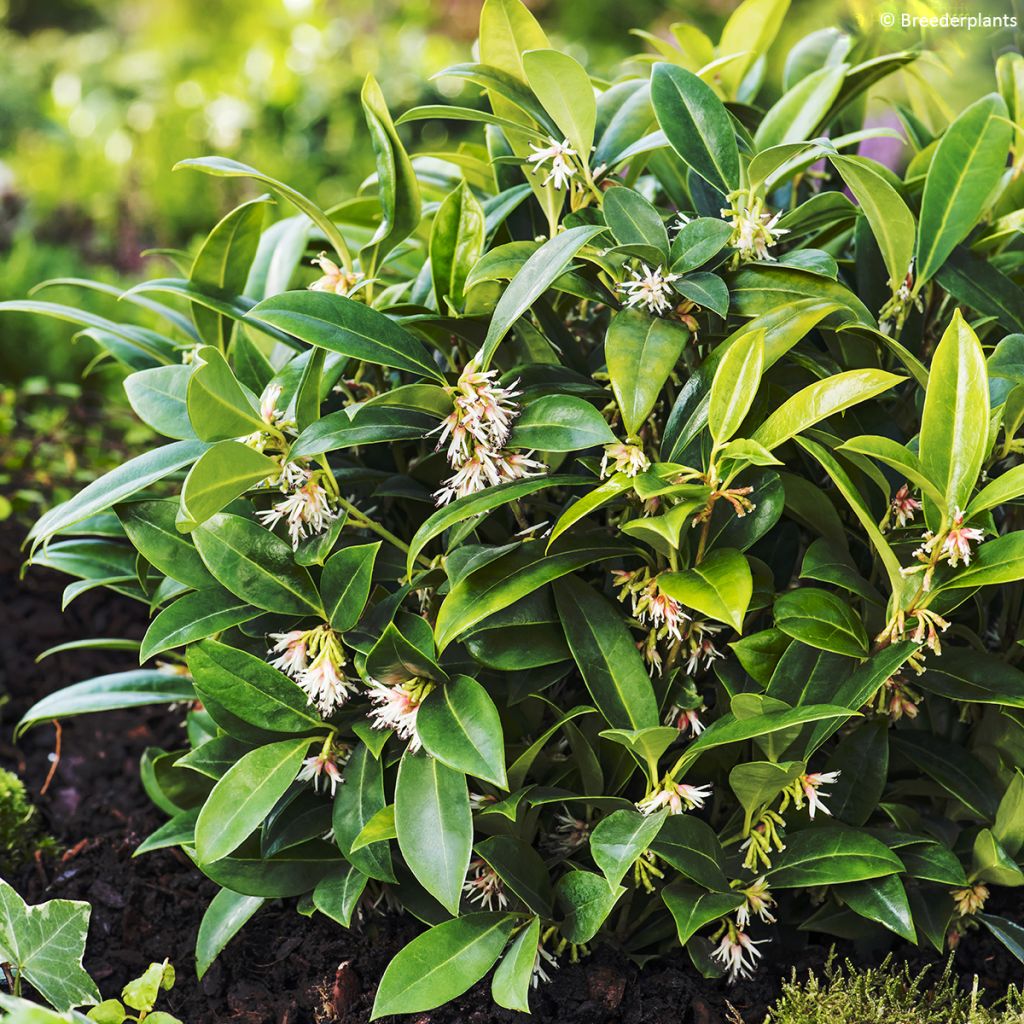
pixel 334 279
pixel 904 505
pixel 685 719
pixel 759 903
pixel 738 953
pixel 811 784
pixel 315 659
pixel 676 796
pixel 625 458
pixel 485 887
pixel 561 155
pixel 292 649
pixel 754 230
pixel 485 469
pixel 649 288
pixel 325 684
pixel 702 648
pixel 307 510
pixel 543 962
pixel 321 768
pixel 483 414
pixel 956 546
pixel 268 403
pixel 396 707
pixel 570 833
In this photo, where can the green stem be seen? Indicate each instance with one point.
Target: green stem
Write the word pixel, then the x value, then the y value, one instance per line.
pixel 371 524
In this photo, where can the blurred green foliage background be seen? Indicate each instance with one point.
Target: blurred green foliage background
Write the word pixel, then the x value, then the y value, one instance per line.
pixel 100 98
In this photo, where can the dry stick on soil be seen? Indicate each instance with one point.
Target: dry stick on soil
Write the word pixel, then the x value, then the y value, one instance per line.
pixel 56 760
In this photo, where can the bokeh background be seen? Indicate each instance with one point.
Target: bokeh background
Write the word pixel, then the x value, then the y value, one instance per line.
pixel 100 98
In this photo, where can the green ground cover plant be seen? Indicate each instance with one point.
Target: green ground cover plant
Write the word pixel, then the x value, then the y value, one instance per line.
pixel 614 536
pixel 847 996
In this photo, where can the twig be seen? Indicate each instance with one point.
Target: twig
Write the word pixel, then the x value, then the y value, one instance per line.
pixel 54 764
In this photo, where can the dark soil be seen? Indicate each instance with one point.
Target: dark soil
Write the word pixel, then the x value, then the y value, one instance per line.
pixel 283 968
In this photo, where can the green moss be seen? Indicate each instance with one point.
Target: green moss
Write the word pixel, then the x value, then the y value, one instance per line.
pixel 20 833
pixel 886 995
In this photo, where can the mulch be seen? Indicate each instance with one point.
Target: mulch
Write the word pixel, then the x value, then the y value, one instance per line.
pixel 284 968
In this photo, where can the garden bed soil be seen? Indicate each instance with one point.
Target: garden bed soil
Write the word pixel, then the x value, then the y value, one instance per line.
pixel 284 968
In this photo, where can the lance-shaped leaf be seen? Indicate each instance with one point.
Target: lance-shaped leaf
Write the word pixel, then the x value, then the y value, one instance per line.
pixel 345 584
pixel 250 688
pixel 511 984
pixel 127 479
pixel 820 400
pixel 442 963
pixel 954 423
pixel 823 620
pixel 586 900
pixel 692 907
pixel 479 504
pixel 609 662
pixel 560 423
pixel 435 826
pixel 222 264
pixel 223 167
pixel 194 616
pixel 348 327
pixel 535 277
pixel 641 351
pixel 397 188
pixel 456 243
pixel 221 474
pixel 218 406
pixel 696 125
pixel 246 795
pixel 355 805
pixel 564 88
pixel 396 658
pixel 510 577
pixel 139 688
pixel 620 838
pixel 256 565
pixel 828 855
pixel 224 918
pixel 966 167
pixel 891 222
pixel 735 385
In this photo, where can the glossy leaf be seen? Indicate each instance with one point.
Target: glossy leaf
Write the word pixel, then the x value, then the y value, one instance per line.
pixel 967 164
pixel 641 352
pixel 720 586
pixel 435 826
pixel 607 658
pixel 442 963
pixel 696 125
pixel 459 725
pixel 245 796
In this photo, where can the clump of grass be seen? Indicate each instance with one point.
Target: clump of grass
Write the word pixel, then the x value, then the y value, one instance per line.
pixel 20 832
pixel 887 995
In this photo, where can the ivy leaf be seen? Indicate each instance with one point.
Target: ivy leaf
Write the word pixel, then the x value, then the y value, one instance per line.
pixel 45 944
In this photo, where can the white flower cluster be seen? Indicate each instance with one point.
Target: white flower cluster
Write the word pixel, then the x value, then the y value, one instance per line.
pixel 316 660
pixel 650 288
pixel 754 230
pixel 476 433
pixel 307 507
pixel 396 707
